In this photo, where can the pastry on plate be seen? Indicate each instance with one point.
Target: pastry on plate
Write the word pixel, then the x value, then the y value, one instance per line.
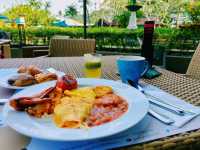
pixel 32 70
pixel 45 77
pixel 21 80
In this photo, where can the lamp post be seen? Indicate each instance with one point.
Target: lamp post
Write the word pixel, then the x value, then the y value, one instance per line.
pixel 21 28
pixel 85 18
pixel 133 7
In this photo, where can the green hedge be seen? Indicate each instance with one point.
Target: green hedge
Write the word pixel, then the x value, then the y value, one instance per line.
pixel 111 36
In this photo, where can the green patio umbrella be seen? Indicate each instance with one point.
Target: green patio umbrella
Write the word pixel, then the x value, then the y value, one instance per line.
pixel 4 18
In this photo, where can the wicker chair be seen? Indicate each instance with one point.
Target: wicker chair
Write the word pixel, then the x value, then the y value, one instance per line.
pixel 61 47
pixel 194 67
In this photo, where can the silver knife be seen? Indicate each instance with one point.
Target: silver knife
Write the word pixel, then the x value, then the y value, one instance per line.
pixel 175 109
pixel 167 107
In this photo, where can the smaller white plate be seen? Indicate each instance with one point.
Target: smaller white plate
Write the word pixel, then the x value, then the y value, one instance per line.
pixel 6 74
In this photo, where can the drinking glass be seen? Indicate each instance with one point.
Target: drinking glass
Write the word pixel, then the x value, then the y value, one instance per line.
pixel 92 65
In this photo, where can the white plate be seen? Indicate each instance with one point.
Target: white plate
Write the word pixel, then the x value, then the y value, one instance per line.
pixel 6 74
pixel 46 129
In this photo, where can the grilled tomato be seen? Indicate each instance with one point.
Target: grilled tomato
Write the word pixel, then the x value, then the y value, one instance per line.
pixel 67 82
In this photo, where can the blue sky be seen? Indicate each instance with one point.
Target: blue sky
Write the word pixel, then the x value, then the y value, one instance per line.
pixel 56 5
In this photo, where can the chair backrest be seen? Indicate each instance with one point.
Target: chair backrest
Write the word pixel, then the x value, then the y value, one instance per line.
pixel 194 67
pixel 61 47
pixel 60 37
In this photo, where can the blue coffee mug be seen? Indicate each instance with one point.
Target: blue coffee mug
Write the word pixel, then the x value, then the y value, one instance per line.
pixel 132 68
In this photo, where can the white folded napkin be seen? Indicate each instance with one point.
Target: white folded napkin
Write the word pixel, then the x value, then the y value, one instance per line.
pixel 168 98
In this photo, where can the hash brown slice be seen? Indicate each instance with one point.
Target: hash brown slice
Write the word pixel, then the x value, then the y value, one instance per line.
pixel 102 90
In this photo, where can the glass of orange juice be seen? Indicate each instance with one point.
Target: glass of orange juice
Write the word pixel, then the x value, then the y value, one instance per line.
pixel 92 65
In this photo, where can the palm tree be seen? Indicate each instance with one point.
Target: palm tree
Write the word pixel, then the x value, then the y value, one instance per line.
pixel 60 13
pixel 35 3
pixel 115 6
pixel 163 10
pixel 47 5
pixel 71 11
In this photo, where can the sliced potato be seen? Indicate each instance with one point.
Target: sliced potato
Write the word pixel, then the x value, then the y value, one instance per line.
pixel 102 90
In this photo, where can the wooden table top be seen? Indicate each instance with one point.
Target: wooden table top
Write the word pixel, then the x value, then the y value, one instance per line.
pixel 176 84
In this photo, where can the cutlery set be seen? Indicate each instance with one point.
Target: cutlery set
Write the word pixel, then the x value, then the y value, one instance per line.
pixel 160 103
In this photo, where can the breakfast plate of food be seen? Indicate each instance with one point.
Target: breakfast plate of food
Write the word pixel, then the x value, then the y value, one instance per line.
pixel 24 76
pixel 72 109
